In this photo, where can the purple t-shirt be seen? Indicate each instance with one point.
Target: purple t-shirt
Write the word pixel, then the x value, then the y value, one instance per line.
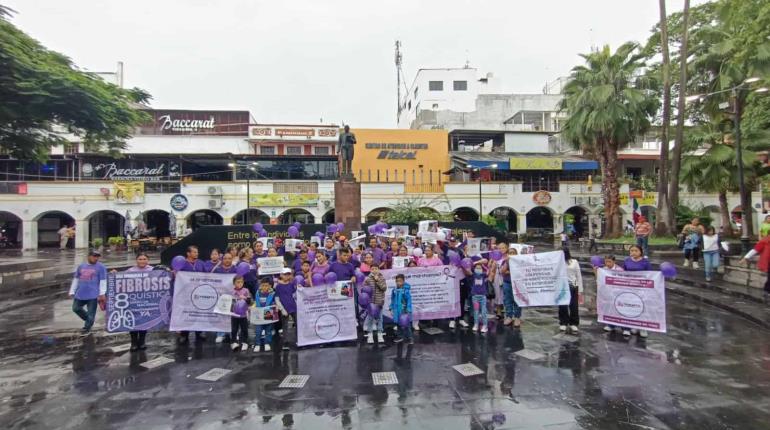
pixel 89 276
pixel 210 265
pixel 238 295
pixel 378 254
pixel 196 266
pixel 636 266
pixel 223 269
pixel 477 285
pixel 286 294
pixel 344 271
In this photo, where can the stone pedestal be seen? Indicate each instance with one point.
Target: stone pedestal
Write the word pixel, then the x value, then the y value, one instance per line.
pixel 347 203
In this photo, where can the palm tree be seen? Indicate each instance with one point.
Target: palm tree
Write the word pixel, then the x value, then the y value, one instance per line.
pixel 663 220
pixel 608 103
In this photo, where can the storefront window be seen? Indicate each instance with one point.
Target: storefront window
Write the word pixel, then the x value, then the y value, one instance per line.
pixel 289 169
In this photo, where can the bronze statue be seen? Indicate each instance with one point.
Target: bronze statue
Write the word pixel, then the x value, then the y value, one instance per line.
pixel 345 151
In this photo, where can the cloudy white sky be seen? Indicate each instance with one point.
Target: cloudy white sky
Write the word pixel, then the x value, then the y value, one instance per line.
pixel 303 61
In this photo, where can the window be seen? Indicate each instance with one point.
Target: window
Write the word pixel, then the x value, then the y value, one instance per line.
pixel 70 148
pixel 460 85
pixel 321 150
pixel 436 85
pixel 161 187
pixel 267 150
pixel 293 150
pixel 435 105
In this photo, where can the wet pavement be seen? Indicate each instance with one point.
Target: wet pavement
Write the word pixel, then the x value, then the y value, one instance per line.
pixel 711 371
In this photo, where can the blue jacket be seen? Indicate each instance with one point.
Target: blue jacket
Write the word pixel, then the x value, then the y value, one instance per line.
pixel 397 297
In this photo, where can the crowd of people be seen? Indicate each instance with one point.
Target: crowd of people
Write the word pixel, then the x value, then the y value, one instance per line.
pixel 485 289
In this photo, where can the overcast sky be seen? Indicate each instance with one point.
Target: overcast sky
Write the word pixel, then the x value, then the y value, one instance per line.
pixel 303 61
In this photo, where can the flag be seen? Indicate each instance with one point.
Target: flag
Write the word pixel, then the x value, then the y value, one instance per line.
pixel 637 214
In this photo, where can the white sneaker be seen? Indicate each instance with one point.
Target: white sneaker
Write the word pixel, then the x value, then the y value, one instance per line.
pixel 219 339
pixel 643 333
pixel 267 347
pixel 483 329
pixel 463 323
pixel 686 263
pixel 475 328
pixel 574 329
pixel 626 333
pixel 415 326
pixel 451 323
pixel 234 346
pixel 256 348
pixel 370 338
pixel 695 265
pixel 380 338
pixel 244 346
pixel 562 328
pixel 607 328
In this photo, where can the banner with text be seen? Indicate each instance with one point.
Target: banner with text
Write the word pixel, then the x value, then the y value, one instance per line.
pixel 539 279
pixel 195 301
pixel 138 300
pixel 632 299
pixel 321 319
pixel 435 291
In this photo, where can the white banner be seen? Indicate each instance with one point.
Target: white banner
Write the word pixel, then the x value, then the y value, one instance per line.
pixel 324 320
pixel 632 299
pixel 293 245
pixel 435 291
pixel 539 279
pixel 195 301
pixel 270 265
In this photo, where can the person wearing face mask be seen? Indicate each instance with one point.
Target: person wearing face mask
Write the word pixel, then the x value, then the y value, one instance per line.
pixel 479 296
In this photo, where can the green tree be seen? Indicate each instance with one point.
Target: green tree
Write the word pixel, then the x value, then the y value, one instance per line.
pixel 608 103
pixel 45 97
pixel 413 209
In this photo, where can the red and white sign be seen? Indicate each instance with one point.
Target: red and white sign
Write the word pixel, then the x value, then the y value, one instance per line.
pixel 275 133
pixel 541 198
pixel 632 299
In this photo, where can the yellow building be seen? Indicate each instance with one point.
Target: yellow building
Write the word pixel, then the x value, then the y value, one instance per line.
pixel 416 158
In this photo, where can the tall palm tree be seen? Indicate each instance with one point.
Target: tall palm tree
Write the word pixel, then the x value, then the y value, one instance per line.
pixel 608 103
pixel 664 212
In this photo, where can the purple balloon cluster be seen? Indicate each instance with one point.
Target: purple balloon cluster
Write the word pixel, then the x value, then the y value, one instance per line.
pixel 377 228
pixel 259 229
pixel 597 261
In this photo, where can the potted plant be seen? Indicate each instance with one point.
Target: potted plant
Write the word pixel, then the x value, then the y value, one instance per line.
pixel 98 243
pixel 115 242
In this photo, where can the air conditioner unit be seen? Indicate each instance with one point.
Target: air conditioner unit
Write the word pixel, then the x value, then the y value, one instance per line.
pixel 215 191
pixel 215 203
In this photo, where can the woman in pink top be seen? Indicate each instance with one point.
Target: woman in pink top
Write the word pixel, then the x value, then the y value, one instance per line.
pixel 429 259
pixel 321 265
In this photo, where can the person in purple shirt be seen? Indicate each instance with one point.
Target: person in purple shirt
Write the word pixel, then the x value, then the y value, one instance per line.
pixel 142 265
pixel 214 262
pixel 345 271
pixel 227 265
pixel 191 264
pixel 285 292
pixel 377 253
pixel 89 285
pixel 635 262
pixel 297 264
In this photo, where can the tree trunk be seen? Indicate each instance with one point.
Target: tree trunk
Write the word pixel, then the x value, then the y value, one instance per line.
pixel 611 189
pixel 676 159
pixel 662 211
pixel 724 214
pixel 748 212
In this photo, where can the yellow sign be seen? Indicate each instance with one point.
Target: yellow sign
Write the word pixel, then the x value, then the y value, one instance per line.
pixel 126 193
pixel 406 156
pixel 283 200
pixel 649 199
pixel 535 163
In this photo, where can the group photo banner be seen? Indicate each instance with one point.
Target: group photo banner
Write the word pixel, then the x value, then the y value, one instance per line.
pixel 195 301
pixel 138 301
pixel 435 291
pixel 321 319
pixel 539 279
pixel 632 299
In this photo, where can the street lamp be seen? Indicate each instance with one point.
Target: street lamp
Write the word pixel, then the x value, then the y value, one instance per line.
pixel 252 166
pixel 737 113
pixel 478 169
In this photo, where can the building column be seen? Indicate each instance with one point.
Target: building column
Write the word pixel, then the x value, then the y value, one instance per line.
pixel 81 233
pixel 29 235
pixel 521 223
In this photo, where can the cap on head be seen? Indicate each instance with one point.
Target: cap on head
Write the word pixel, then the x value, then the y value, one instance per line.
pixel 94 253
pixel 285 270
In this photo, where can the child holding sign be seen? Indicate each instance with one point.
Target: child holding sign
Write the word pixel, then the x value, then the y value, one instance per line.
pixel 479 295
pixel 239 323
pixel 265 299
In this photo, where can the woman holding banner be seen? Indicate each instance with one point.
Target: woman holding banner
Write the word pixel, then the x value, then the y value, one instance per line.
pixel 568 314
pixel 142 265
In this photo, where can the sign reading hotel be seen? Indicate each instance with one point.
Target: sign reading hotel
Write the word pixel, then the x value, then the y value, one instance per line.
pixel 278 132
pixel 535 163
pixel 397 151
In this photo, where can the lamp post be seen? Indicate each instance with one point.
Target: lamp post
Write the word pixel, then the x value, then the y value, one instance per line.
pixel 737 113
pixel 252 167
pixel 478 169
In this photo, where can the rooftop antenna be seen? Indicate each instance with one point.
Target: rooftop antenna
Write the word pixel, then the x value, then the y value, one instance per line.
pixel 467 60
pixel 399 72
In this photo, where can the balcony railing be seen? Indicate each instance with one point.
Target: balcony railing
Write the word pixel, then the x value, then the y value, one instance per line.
pixel 424 188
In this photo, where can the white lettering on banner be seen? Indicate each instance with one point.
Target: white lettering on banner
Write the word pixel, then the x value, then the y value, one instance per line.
pixel 435 291
pixel 323 320
pixel 539 279
pixel 167 123
pixel 632 299
pixel 195 299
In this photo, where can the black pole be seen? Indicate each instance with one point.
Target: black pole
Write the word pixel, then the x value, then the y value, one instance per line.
pixel 480 210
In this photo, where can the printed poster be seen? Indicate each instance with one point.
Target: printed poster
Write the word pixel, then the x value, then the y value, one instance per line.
pixel 267 242
pixel 400 262
pixel 138 301
pixel 539 279
pixel 322 320
pixel 401 230
pixel 293 245
pixel 263 315
pixel 195 301
pixel 224 304
pixel 522 248
pixel 474 247
pixel 339 290
pixel 127 193
pixel 632 299
pixel 435 291
pixel 270 265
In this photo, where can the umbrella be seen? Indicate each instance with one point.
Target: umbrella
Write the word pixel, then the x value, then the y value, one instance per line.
pixel 172 224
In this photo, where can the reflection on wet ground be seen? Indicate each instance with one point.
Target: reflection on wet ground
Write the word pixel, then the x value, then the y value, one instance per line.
pixel 711 371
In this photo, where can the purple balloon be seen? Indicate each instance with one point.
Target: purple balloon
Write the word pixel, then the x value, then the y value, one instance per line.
pixel 667 269
pixel 374 310
pixel 495 255
pixel 466 263
pixel 258 227
pixel 364 300
pixel 299 280
pixel 177 262
pixel 297 224
pixel 404 320
pixel 242 268
pixel 240 307
pixel 360 276
pixel 262 233
pixel 293 232
pixel 318 279
pixel 318 234
pixel 340 226
pixel 597 261
pixel 330 278
pixel 332 228
pixel 367 289
pixel 372 229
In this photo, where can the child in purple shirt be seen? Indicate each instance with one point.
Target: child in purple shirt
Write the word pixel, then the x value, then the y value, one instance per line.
pixel 479 295
pixel 239 322
pixel 285 300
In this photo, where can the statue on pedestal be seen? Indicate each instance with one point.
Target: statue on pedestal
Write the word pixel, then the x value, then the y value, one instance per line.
pixel 345 146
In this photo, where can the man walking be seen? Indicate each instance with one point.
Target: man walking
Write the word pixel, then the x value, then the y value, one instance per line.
pixel 643 230
pixel 89 285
